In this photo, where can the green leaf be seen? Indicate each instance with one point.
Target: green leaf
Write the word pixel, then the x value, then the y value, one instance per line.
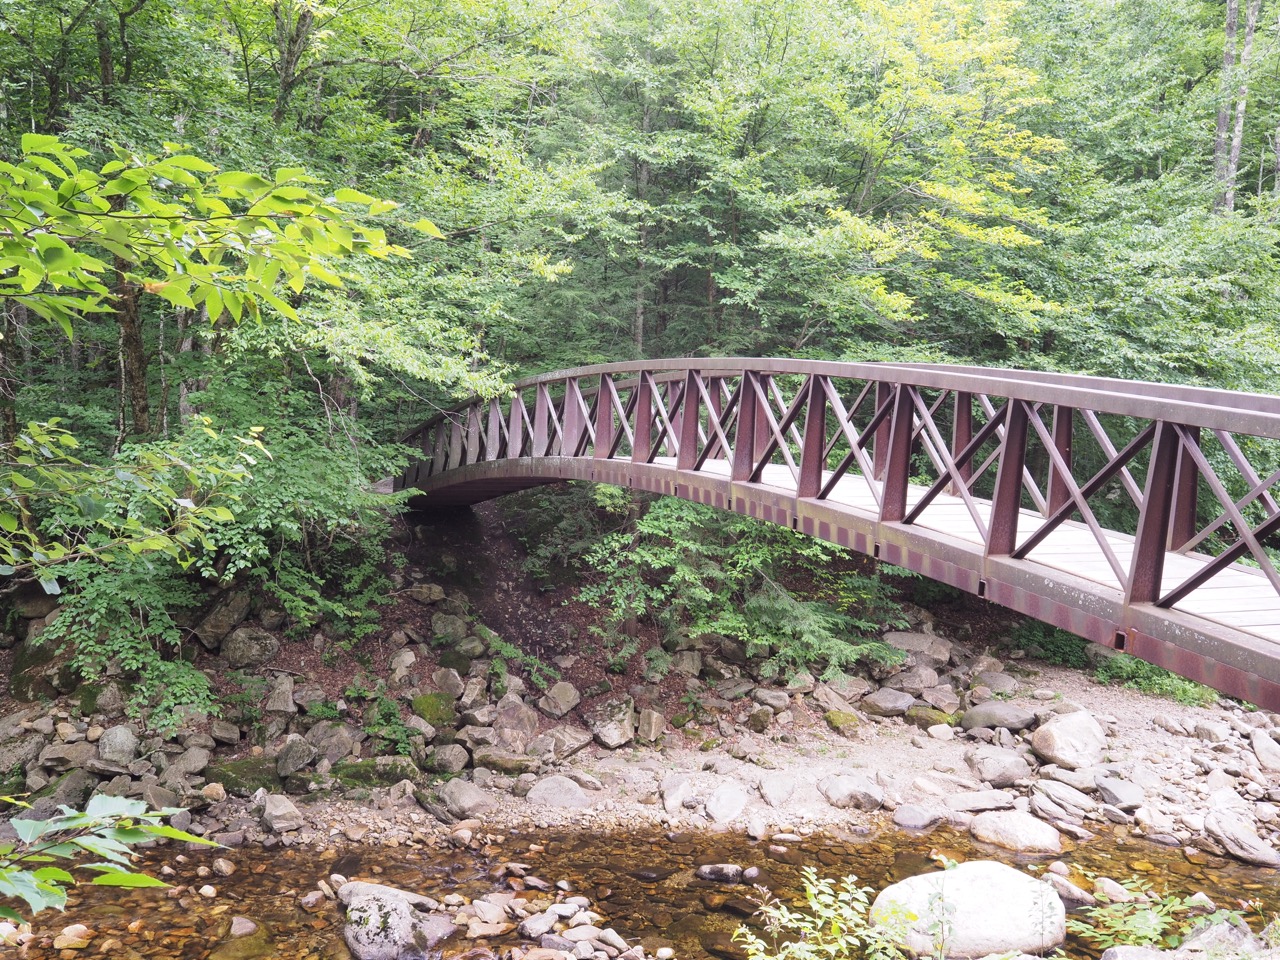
pixel 40 143
pixel 132 880
pixel 427 227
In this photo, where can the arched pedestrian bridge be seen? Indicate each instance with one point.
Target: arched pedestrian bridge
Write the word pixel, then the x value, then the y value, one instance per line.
pixel 1138 515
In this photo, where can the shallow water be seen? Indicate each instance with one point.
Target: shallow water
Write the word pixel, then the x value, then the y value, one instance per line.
pixel 643 883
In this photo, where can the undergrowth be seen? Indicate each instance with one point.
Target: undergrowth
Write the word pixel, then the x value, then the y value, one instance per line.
pixel 1137 674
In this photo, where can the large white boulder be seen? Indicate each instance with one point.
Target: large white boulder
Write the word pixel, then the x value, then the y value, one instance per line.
pixel 1071 740
pixel 1017 831
pixel 973 910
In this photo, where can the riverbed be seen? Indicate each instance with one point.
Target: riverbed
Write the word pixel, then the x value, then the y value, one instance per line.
pixel 642 882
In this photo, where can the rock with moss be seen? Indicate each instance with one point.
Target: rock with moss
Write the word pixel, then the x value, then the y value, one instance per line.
pixel 455 660
pixel 435 708
pixel 377 772
pixel 926 717
pixel 845 724
pixel 244 777
pixel 41 671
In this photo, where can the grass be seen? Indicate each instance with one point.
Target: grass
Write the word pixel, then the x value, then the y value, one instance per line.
pixel 1137 674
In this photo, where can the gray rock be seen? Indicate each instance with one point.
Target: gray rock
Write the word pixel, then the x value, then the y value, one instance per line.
pixel 926 648
pixel 997 715
pixel 385 926
pixel 941 697
pixel 914 681
pixel 852 790
pixel 1067 797
pixel 293 756
pixel 448 628
pixel 776 788
pixel 117 744
pixel 425 593
pixel 448 681
pixel 1071 740
pixel 1070 894
pixel 719 872
pixel 727 802
pixel 1266 750
pixel 515 724
pixel 190 762
pixel 976 909
pixel 538 925
pixel 450 758
pixel 558 791
pixel 559 699
pixel 1239 838
pixel 566 741
pixel 280 698
pixel 675 790
pixel 333 739
pixel 249 647
pixel 979 800
pixel 68 756
pixel 887 702
pixel 1212 731
pixel 651 726
pixel 911 816
pixel 224 732
pixel 997 766
pixel 612 722
pixel 1133 953
pixel 1121 794
pixel 464 799
pixel 775 700
pixel 279 815
pixel 1017 831
pixel 999 683
pixel 227 614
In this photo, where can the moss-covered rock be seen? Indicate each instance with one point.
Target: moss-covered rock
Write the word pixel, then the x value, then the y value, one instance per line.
pixel 378 772
pixel 926 717
pixel 244 777
pixel 455 660
pixel 842 722
pixel 435 708
pixel 41 671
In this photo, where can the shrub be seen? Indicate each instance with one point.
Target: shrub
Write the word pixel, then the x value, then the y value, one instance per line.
pixel 1139 675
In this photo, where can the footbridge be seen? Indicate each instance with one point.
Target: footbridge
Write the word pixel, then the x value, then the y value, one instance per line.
pixel 1138 515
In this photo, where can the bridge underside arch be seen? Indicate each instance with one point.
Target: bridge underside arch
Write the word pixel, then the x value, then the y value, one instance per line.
pixel 1234 662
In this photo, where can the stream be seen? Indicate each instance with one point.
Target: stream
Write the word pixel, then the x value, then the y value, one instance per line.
pixel 642 882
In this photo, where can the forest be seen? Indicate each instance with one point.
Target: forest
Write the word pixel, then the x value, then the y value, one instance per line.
pixel 248 243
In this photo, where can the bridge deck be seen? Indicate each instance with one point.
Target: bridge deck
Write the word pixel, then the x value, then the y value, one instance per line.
pixel 1239 597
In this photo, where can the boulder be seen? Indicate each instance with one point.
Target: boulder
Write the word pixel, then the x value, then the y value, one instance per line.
pixel 675 789
pixel 1266 750
pixel 777 788
pixel 118 745
pixel 912 816
pixel 20 751
pixel 280 697
pixel 464 800
pixel 225 615
pixel 612 722
pixel 1239 838
pixel 887 702
pixel 333 739
pixel 651 726
pixel 559 699
pixel 279 815
pixel 852 790
pixel 998 715
pixel 249 647
pixel 68 756
pixel 425 593
pixel 384 924
pixel 925 648
pixel 979 800
pixel 515 724
pixel 1071 740
pixel 727 802
pixel 450 758
pixel 294 756
pixel 558 791
pixel 997 766
pixel 1016 831
pixel 1121 794
pixel 448 629
pixel 973 910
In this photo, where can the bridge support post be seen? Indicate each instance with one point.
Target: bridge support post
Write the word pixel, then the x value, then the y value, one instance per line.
pixel 814 449
pixel 897 467
pixel 605 430
pixel 644 420
pixel 1146 569
pixel 1002 538
pixel 881 441
pixel 541 421
pixel 1186 482
pixel 690 409
pixel 493 432
pixel 1060 486
pixel 961 435
pixel 744 439
pixel 515 426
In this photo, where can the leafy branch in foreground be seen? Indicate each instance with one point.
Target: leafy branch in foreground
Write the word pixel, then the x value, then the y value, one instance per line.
pixel 160 497
pixel 106 829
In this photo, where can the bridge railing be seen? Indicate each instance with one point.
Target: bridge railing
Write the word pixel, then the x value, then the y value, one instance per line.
pixel 1179 469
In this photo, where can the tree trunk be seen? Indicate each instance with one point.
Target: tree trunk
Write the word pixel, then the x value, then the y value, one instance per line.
pixel 293 37
pixel 1242 94
pixel 1223 124
pixel 642 188
pixel 133 353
